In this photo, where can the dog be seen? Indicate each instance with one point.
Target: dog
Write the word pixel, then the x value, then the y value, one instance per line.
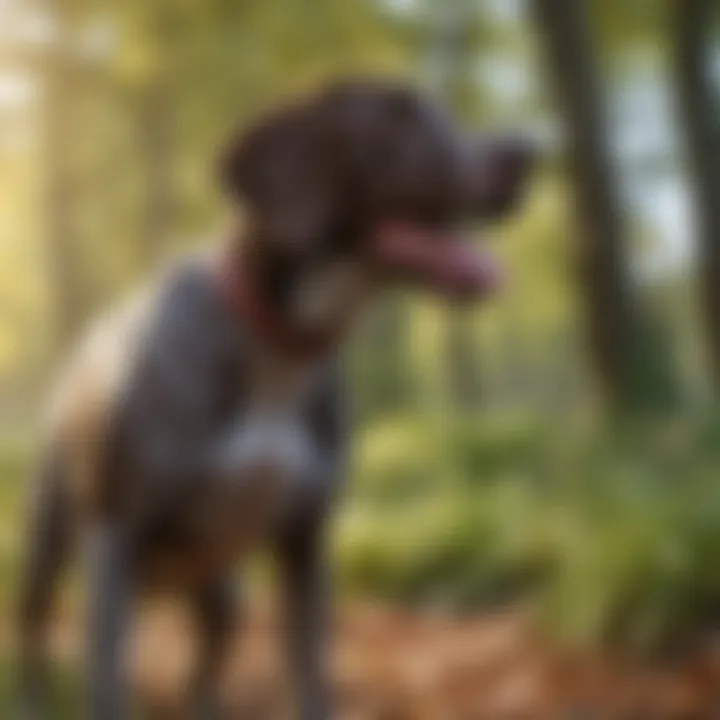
pixel 209 415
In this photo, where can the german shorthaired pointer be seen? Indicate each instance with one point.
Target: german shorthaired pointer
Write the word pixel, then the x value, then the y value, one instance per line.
pixel 207 415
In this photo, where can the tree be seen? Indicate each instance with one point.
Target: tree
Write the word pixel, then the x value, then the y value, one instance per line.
pixel 59 189
pixel 701 117
pixel 156 132
pixel 565 28
pixel 453 58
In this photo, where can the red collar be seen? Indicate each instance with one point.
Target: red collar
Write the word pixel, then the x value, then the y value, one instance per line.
pixel 242 294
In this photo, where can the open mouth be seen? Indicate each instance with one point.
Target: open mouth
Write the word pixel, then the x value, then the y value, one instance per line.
pixel 438 259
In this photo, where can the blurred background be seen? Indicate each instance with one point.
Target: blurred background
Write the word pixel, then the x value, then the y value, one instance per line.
pixel 536 504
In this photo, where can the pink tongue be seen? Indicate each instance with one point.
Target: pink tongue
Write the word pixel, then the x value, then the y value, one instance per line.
pixel 449 265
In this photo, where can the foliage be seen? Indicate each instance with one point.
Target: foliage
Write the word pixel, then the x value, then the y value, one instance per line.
pixel 612 535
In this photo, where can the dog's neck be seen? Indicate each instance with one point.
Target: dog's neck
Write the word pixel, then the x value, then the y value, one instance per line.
pixel 295 311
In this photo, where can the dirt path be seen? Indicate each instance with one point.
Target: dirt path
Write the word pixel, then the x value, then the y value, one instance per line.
pixel 392 665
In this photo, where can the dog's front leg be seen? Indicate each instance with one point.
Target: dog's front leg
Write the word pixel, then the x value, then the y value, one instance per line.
pixel 109 595
pixel 215 609
pixel 306 598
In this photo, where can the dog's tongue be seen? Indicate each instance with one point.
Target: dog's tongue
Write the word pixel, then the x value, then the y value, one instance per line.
pixel 447 264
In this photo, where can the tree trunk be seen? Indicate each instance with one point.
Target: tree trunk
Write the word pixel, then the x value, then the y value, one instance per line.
pixel 386 378
pixel 59 187
pixel 156 148
pixel 462 364
pixel 456 62
pixel 565 28
pixel 156 131
pixel 700 114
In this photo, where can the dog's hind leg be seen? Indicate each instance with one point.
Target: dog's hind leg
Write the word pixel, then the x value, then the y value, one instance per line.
pixel 47 549
pixel 216 613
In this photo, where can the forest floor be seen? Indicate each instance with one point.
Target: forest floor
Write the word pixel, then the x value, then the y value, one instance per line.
pixel 399 665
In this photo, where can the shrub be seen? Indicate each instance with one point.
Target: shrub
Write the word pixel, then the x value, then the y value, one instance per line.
pixel 613 534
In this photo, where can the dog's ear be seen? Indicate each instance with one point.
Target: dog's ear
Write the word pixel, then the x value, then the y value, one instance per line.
pixel 281 170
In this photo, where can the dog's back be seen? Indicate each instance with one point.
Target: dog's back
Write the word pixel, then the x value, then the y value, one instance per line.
pixel 90 386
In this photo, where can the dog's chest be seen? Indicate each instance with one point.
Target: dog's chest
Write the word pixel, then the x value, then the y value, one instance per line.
pixel 266 460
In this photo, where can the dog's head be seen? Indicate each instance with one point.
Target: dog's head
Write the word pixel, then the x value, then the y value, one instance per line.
pixel 369 179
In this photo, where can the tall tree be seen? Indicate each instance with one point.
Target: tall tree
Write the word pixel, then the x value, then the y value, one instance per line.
pixel 700 110
pixel 565 29
pixel 452 64
pixel 156 114
pixel 59 187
